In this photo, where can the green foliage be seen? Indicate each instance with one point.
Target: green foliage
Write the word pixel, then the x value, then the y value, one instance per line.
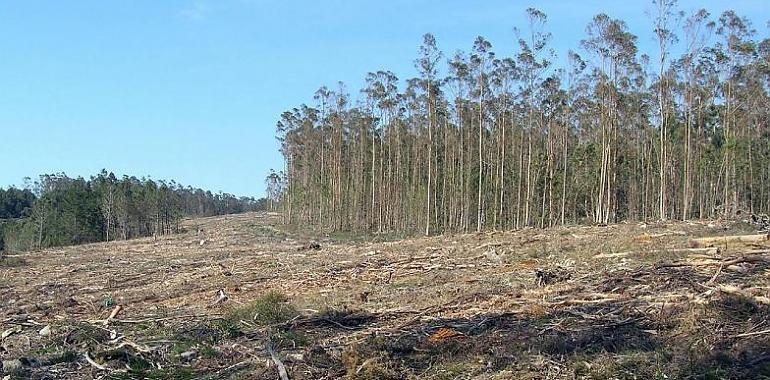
pixel 18 235
pixel 363 366
pixel 297 338
pixel 69 214
pixel 107 301
pixel 228 327
pixel 15 203
pixel 269 309
pixel 205 350
pixel 268 232
pixel 65 211
pixel 208 352
pixel 66 356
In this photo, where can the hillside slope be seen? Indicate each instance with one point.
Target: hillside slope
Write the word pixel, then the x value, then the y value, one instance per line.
pixel 624 301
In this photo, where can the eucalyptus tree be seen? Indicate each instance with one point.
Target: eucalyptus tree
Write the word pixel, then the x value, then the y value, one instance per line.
pixel 298 136
pixel 733 51
pixel 339 101
pixel 480 59
pixel 373 91
pixel 532 61
pixel 663 18
pixel 697 28
pixel 411 103
pixel 323 97
pixel 709 146
pixel 387 102
pixel 427 65
pixel 273 188
pixel 459 81
pixel 285 135
pixel 614 47
pixel 551 108
pixel 69 211
pixel 382 96
pixel 575 87
pixel 503 76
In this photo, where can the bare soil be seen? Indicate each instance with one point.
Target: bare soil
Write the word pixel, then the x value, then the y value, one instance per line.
pixel 626 301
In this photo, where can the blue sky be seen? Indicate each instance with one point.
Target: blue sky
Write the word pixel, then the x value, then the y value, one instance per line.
pixel 191 90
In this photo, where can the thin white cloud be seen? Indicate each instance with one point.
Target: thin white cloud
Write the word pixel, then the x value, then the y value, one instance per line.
pixel 197 10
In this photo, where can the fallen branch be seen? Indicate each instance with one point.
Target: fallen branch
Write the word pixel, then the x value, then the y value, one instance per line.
pixel 9 332
pixel 94 364
pixel 233 368
pixel 145 320
pixel 746 259
pixel 339 324
pixel 364 364
pixel 714 278
pixel 137 347
pixel 744 335
pixel 112 315
pixel 281 368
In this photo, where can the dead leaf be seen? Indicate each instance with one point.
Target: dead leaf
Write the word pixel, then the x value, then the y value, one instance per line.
pixel 444 334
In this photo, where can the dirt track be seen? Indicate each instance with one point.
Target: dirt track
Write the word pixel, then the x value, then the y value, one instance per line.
pixel 623 301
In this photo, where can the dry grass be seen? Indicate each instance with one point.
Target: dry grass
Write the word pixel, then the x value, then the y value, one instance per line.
pixel 529 304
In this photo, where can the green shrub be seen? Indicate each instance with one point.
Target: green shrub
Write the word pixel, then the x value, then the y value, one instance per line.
pixel 269 309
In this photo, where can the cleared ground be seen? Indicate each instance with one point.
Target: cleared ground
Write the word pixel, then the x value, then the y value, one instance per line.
pixel 628 301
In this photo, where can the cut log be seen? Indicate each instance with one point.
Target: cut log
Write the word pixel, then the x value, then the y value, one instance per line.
pixel 723 240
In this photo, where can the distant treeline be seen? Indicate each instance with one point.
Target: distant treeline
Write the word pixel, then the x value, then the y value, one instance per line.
pixel 57 210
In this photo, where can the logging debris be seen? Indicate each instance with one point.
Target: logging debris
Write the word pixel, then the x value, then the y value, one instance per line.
pixel 559 303
pixel 715 241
